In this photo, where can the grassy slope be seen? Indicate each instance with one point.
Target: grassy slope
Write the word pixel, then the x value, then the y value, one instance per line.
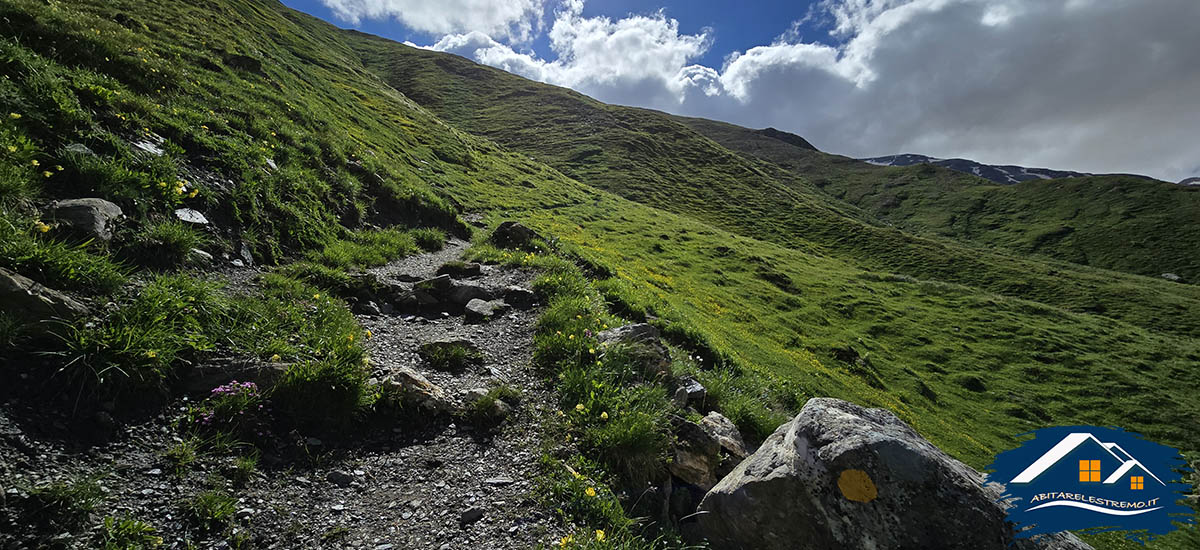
pixel 650 158
pixel 768 304
pixel 1125 223
pixel 967 367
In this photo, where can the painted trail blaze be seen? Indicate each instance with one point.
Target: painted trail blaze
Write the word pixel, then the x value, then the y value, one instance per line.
pixel 1087 477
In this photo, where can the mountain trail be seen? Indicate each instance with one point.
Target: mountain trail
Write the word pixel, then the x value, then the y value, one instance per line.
pixel 428 481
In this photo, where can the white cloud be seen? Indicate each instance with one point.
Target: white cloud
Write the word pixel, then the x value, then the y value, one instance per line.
pixel 1084 85
pixel 512 19
pixel 640 59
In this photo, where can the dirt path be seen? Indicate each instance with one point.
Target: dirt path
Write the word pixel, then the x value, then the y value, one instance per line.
pixel 438 484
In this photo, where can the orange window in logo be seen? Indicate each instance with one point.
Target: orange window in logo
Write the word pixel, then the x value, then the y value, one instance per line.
pixel 1136 482
pixel 1089 471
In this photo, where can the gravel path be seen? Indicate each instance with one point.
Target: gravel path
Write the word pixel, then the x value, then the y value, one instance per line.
pixel 437 484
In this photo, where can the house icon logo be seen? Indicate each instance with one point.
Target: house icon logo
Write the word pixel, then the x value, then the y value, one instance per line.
pixel 1092 478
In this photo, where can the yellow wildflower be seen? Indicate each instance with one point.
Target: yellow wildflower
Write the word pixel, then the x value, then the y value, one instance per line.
pixel 12 148
pixel 193 194
pixel 571 337
pixel 275 357
pixel 368 334
pixel 349 337
pixel 604 415
pixel 14 116
pixel 592 350
pixel 47 173
pixel 591 492
pixel 58 167
pixel 35 162
pixel 152 354
pixel 316 296
pixel 600 535
pixel 41 227
pixel 579 407
pixel 565 541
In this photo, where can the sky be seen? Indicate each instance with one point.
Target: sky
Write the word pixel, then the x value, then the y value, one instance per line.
pixel 1096 86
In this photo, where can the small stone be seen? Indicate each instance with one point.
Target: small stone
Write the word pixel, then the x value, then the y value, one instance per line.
pixel 498 481
pixel 337 507
pixel 339 478
pixel 245 514
pixel 154 472
pixel 471 515
pixel 190 215
pixel 197 256
pixel 313 442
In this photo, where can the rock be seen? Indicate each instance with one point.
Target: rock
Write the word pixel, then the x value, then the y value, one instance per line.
pixel 367 308
pixel 470 515
pixel 339 478
pixel 407 387
pixel 89 218
pixel 1172 277
pixel 815 480
pixel 459 270
pixel 432 291
pixel 30 301
pixel 313 442
pixel 512 234
pixel 190 215
pixel 726 434
pixel 206 375
pixel 462 293
pixel 200 257
pixel 697 455
pixel 244 514
pixel 246 254
pixel 473 395
pixel 641 340
pixel 689 392
pixel 478 311
pixel 500 409
pixel 519 297
pixel 78 149
pixel 498 481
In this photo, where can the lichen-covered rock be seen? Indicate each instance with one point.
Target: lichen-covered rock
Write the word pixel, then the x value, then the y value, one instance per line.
pixel 28 300
pixel 90 218
pixel 842 476
pixel 643 342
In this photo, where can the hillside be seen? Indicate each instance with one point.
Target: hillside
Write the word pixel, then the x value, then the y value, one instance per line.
pixel 334 169
pixel 1124 223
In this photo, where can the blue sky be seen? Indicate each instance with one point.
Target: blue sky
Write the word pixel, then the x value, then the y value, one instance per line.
pixel 1096 86
pixel 732 27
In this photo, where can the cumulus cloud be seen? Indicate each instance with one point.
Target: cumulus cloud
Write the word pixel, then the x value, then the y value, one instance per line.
pixel 1100 86
pixel 516 20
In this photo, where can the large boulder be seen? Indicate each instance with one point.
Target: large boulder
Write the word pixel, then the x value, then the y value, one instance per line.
pixel 843 476
pixel 512 234
pixel 89 218
pixel 643 342
pixel 28 300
